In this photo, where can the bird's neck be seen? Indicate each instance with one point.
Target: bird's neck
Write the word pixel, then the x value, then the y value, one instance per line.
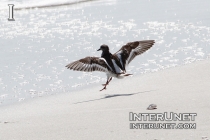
pixel 106 54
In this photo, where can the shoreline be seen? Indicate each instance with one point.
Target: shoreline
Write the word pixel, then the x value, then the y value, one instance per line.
pixel 94 85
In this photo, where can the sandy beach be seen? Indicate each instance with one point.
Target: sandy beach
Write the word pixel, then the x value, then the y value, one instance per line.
pixel 90 114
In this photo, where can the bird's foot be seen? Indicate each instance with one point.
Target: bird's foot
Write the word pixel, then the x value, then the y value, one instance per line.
pixel 103 88
pixel 105 84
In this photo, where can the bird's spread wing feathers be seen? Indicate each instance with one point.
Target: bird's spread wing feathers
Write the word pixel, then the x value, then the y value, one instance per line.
pixel 89 64
pixel 129 51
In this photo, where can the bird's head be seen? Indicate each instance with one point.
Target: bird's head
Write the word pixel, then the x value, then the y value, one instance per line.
pixel 103 48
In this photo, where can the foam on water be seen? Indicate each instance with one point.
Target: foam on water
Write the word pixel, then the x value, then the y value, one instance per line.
pixel 21 4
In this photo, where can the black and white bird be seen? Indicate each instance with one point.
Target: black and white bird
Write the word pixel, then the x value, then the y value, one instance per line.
pixel 114 65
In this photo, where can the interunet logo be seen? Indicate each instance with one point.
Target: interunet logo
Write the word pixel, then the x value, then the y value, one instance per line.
pixel 169 118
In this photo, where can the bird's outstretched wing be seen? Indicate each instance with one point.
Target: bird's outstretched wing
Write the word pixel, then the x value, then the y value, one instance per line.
pixel 129 51
pixel 89 64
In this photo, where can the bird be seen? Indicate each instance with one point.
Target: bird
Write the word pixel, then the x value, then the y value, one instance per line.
pixel 114 65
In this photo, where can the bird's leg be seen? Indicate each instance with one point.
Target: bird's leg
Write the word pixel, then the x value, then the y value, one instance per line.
pixel 107 82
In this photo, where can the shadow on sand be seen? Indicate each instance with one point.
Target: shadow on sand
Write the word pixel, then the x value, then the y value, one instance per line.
pixel 112 96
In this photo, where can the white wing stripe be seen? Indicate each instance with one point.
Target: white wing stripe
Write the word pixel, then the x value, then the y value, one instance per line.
pixel 119 56
pixel 106 63
pixel 127 61
pixel 117 69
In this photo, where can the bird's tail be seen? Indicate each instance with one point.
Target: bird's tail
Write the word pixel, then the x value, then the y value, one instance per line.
pixel 122 75
pixel 126 74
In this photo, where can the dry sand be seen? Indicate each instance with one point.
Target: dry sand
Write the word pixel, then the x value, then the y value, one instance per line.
pixel 90 114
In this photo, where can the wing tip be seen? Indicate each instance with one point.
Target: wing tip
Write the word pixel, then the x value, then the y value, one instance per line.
pixel 147 41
